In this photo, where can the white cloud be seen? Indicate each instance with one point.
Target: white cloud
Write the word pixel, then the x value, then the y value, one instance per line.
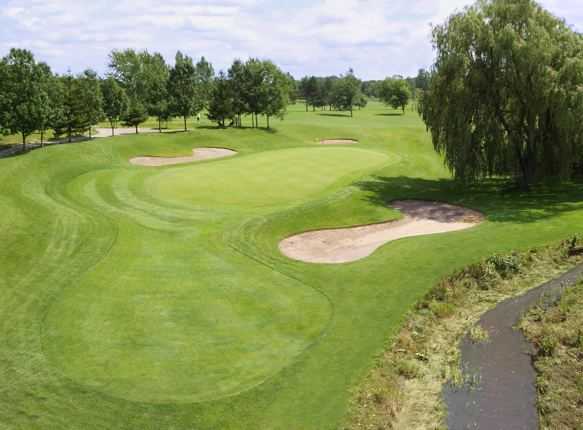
pixel 376 37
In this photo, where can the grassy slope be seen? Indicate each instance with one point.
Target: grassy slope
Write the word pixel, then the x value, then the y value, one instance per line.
pixel 140 298
pixel 557 334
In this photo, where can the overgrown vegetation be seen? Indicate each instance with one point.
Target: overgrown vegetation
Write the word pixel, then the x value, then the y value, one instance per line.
pixel 557 333
pixel 403 391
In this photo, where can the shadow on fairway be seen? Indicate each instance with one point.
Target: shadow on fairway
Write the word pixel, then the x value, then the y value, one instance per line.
pixel 217 128
pixel 495 198
pixel 390 114
pixel 341 115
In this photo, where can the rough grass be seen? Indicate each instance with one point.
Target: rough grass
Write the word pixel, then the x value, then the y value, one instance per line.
pixel 121 308
pixel 557 333
pixel 403 391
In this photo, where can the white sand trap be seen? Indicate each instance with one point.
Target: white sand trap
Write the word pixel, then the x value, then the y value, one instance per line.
pixel 338 142
pixel 351 244
pixel 198 154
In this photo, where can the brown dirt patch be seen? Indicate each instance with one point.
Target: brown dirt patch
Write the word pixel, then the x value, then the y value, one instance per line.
pixel 338 142
pixel 345 245
pixel 199 154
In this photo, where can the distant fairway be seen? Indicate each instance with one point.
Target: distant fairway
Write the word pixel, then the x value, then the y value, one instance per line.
pixel 156 298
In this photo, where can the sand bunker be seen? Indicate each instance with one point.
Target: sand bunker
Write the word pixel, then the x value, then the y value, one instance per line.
pixel 352 244
pixel 198 154
pixel 338 142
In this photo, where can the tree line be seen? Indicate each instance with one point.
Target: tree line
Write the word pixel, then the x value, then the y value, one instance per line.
pixel 344 93
pixel 139 85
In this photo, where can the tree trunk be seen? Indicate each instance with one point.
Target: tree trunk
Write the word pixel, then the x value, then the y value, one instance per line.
pixel 23 142
pixel 185 127
pixel 307 106
pixel 90 137
pixel 112 129
pixel 42 138
pixel 159 125
pixel 267 116
pixel 137 132
pixel 351 115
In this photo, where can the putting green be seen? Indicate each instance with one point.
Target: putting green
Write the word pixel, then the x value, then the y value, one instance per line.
pixel 267 179
pixel 192 330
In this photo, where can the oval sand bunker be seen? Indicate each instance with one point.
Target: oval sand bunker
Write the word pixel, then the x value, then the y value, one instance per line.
pixel 198 154
pixel 351 244
pixel 338 142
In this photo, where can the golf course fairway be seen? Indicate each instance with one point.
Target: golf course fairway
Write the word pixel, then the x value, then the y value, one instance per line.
pixel 157 298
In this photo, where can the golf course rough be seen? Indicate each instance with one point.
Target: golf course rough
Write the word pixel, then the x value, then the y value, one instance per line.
pixel 136 297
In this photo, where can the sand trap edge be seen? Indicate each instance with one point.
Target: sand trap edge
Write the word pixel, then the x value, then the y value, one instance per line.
pixel 339 142
pixel 198 154
pixel 470 218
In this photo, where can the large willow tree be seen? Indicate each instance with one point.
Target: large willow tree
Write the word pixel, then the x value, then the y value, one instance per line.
pixel 506 95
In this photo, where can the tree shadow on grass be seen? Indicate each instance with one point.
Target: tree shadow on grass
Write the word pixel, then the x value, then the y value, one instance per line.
pixel 390 114
pixel 217 128
pixel 496 198
pixel 336 115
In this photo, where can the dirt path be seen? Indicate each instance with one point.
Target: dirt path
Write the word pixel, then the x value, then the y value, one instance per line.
pixel 123 131
pixel 505 396
pixel 351 244
pixel 198 154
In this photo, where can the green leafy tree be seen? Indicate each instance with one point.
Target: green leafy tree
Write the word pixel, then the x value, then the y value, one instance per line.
pixel 144 77
pixel 66 121
pixel 48 109
pixel 136 114
pixel 115 102
pixel 89 100
pixel 222 101
pixel 156 73
pixel 395 93
pixel 304 90
pixel 505 96
pixel 253 91
pixel 292 89
pixel 312 92
pixel 422 80
pixel 24 101
pixel 77 104
pixel 205 75
pixel 361 101
pixel 239 85
pixel 127 67
pixel 182 88
pixel 274 92
pixel 346 92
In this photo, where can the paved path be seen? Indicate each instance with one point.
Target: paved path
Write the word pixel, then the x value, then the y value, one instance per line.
pixel 505 398
pixel 99 133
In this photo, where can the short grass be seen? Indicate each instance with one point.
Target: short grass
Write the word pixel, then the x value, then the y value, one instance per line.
pixel 139 298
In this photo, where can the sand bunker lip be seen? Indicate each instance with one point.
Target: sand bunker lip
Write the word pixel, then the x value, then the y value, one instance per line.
pixel 338 142
pixel 344 245
pixel 198 154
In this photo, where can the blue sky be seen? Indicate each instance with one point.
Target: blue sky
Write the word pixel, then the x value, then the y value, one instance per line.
pixel 375 37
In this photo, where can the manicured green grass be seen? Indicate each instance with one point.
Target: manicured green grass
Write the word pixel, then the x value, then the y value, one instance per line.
pixel 156 298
